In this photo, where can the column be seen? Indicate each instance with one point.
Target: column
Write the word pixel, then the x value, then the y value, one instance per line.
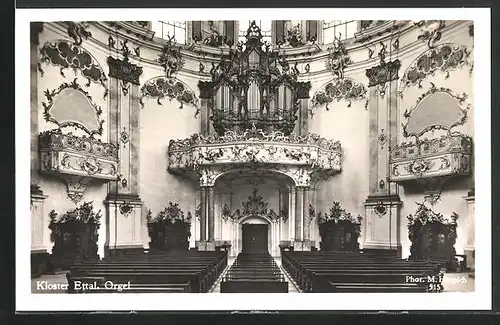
pixel 382 206
pixel 207 220
pixel 469 249
pixel 306 220
pixel 211 216
pixel 203 216
pixel 206 102
pixel 123 204
pixel 299 202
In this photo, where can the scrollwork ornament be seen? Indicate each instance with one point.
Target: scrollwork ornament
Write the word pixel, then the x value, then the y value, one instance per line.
pixel 65 55
pixel 431 31
pixel 444 58
pixel 78 31
pixel 345 89
pixel 170 88
pixel 171 58
pixel 338 58
pixel 51 94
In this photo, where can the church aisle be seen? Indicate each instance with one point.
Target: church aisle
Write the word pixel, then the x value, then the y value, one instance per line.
pixel 292 288
pixel 216 288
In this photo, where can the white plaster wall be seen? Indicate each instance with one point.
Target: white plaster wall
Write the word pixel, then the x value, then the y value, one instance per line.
pixel 452 199
pixel 54 188
pixel 158 125
pixel 349 125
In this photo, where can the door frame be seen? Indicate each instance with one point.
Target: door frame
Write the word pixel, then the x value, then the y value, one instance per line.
pixel 272 239
pixel 262 226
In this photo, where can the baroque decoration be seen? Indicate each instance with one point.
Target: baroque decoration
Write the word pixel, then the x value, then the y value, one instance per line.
pixel 254 206
pixel 382 74
pixel 449 155
pixel 338 58
pixel 431 31
pixel 170 57
pixel 75 235
pixel 63 121
pixel 432 235
pixel 77 160
pixel 124 70
pixel 170 229
pixel 339 89
pixel 443 58
pixel 339 230
pixel 78 31
pixel 171 88
pixel 253 84
pixel 299 157
pixel 65 55
pixel 457 107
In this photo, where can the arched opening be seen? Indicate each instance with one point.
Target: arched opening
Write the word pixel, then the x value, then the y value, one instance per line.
pixel 254 210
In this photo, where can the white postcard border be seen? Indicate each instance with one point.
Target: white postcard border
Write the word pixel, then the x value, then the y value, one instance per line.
pixel 478 300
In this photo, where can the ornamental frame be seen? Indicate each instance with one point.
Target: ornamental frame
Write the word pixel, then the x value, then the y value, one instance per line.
pixel 50 94
pixel 461 100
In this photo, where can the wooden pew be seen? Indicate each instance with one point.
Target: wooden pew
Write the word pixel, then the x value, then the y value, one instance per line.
pixel 353 272
pixel 193 272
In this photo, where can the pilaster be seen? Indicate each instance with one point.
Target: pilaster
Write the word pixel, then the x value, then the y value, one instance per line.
pixel 123 204
pixel 123 225
pixel 382 206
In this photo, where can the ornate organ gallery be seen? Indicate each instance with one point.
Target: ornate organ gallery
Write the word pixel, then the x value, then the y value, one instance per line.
pixel 252 136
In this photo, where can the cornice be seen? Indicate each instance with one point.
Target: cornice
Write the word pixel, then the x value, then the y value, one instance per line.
pixel 317 52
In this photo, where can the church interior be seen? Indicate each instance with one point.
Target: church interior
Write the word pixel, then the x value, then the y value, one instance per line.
pixel 253 156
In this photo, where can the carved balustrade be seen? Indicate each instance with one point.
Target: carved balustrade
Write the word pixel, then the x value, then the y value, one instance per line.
pixel 448 156
pixel 300 157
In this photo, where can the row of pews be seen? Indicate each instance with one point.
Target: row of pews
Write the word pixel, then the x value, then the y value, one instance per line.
pixel 327 271
pixel 254 272
pixel 176 272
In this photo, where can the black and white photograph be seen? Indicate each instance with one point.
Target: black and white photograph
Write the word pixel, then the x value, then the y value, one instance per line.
pixel 253 162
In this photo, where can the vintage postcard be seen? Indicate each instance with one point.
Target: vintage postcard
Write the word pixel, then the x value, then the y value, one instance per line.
pixel 244 164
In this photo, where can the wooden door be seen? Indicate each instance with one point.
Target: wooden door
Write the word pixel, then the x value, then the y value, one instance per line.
pixel 254 238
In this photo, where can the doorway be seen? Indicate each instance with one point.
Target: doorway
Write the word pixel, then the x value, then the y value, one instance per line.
pixel 254 238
